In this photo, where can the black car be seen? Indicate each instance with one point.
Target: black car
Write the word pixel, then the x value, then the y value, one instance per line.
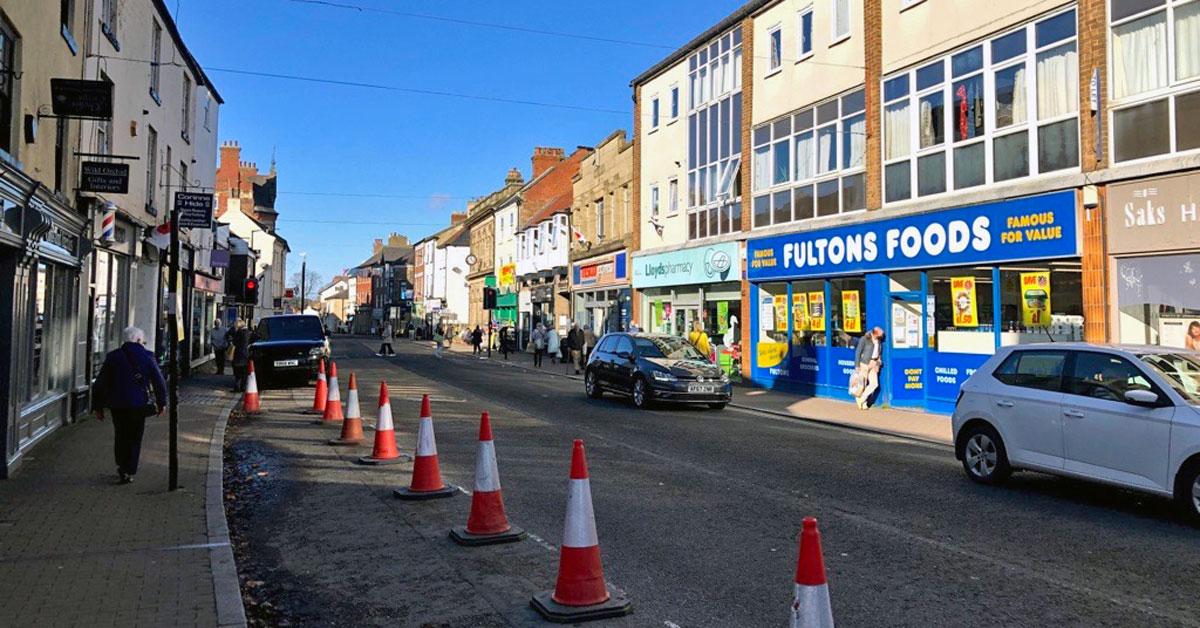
pixel 652 367
pixel 288 347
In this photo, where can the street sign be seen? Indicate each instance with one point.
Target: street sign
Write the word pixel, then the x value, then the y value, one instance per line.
pixel 195 209
pixel 73 98
pixel 289 293
pixel 95 176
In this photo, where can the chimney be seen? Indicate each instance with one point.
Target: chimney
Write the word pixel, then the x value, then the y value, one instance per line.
pixel 396 239
pixel 457 218
pixel 377 247
pixel 514 177
pixel 545 158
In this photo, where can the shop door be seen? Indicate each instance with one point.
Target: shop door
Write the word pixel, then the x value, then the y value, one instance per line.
pixel 904 363
pixel 685 317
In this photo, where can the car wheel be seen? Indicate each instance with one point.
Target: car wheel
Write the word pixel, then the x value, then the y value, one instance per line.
pixel 718 406
pixel 641 394
pixel 983 455
pixel 1187 491
pixel 591 385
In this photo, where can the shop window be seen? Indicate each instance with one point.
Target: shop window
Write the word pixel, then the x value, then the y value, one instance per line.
pixel 809 314
pixel 1041 302
pixel 1151 306
pixel 722 321
pixel 964 310
pixel 773 313
pixel 847 311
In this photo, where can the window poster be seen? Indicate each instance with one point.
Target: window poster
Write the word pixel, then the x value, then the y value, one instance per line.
pixel 781 319
pixel 658 316
pixel 800 311
pixel 1035 299
pixel 851 311
pixel 722 316
pixel 816 311
pixel 966 312
pixel 766 314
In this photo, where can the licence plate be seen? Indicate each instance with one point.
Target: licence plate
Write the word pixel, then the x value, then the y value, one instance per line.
pixel 702 388
pixel 287 362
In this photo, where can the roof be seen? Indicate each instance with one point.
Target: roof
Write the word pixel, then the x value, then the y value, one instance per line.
pixel 165 14
pixel 556 205
pixel 387 255
pixel 700 40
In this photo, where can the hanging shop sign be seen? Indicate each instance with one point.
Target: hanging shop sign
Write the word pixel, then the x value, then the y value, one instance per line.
pixel 962 291
pixel 75 98
pixel 508 277
pixel 95 176
pixel 1035 299
pixel 1036 227
pixel 195 210
pixel 1154 215
pixel 703 264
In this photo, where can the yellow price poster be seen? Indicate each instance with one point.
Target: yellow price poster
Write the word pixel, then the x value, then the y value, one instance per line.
pixel 800 312
pixel 781 319
pixel 966 310
pixel 816 311
pixel 771 354
pixel 851 311
pixel 1035 299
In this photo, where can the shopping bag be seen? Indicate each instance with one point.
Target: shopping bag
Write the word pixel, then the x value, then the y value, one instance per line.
pixel 856 383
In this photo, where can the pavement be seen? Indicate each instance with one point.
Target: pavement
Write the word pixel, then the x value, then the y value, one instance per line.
pixel 697 513
pixel 78 550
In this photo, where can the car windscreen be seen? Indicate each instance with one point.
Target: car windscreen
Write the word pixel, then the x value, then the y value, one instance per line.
pixel 1181 370
pixel 291 328
pixel 666 347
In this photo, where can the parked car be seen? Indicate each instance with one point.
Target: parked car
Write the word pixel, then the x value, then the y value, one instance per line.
pixel 651 367
pixel 1123 415
pixel 288 347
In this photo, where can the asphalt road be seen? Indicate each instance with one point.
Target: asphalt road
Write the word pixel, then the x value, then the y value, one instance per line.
pixel 698 513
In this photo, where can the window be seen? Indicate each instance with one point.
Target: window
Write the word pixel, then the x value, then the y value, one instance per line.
pixel 674 102
pixel 108 21
pixel 66 13
pixel 672 196
pixel 599 219
pixel 654 113
pixel 151 170
pixel 167 167
pixel 819 154
pixel 841 19
pixel 1041 370
pixel 714 139
pixel 998 110
pixel 155 61
pixel 186 117
pixel 776 37
pixel 183 175
pixel 1105 376
pixel 8 69
pixel 208 102
pixel 1154 64
pixel 804 43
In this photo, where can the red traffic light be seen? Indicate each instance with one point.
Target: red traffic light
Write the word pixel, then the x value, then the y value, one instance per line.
pixel 251 284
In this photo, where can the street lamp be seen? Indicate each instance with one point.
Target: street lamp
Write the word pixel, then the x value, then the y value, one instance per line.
pixel 303 273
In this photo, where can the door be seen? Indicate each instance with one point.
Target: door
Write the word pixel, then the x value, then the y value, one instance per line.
pixel 904 368
pixel 600 363
pixel 1108 437
pixel 685 317
pixel 622 365
pixel 1027 404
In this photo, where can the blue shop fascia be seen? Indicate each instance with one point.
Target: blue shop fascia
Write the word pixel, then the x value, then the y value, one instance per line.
pixel 947 287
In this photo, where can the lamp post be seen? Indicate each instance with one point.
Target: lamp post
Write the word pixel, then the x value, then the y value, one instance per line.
pixel 303 278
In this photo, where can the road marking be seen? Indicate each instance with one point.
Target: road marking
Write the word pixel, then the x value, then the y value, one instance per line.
pixel 670 624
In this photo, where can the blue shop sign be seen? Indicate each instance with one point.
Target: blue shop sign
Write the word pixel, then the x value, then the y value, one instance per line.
pixel 703 264
pixel 1036 227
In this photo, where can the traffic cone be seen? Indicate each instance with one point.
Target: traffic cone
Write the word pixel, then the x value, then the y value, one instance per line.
pixel 427 476
pixel 250 403
pixel 321 391
pixel 487 524
pixel 580 593
pixel 385 451
pixel 352 431
pixel 333 402
pixel 811 608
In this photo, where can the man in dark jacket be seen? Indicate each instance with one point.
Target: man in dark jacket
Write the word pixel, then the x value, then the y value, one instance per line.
pixel 131 386
pixel 241 354
pixel 575 340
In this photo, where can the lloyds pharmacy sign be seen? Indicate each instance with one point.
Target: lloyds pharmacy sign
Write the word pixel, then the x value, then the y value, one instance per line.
pixel 699 265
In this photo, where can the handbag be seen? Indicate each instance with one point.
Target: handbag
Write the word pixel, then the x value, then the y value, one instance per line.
pixel 150 408
pixel 856 383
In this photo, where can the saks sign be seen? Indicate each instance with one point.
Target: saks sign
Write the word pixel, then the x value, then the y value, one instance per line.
pixel 1156 215
pixel 1027 228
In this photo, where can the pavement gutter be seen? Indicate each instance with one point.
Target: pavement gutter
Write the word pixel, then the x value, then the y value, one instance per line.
pixel 226 588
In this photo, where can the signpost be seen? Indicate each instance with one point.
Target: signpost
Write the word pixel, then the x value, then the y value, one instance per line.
pixel 105 178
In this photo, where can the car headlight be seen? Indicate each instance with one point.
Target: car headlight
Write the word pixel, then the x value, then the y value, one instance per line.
pixel 662 376
pixel 316 352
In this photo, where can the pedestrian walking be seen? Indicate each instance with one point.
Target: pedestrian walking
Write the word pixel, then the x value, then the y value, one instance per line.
pixel 241 354
pixel 505 345
pixel 575 344
pixel 476 341
pixel 439 335
pixel 385 346
pixel 868 359
pixel 539 344
pixel 589 341
pixel 220 343
pixel 553 345
pixel 133 389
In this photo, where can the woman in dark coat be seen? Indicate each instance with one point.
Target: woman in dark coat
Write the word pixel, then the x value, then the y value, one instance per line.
pixel 241 354
pixel 133 389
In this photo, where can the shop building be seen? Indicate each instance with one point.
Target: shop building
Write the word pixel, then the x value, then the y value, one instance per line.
pixel 506 311
pixel 481 225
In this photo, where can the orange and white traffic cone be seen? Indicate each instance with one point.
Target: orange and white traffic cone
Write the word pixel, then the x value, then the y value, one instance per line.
pixel 250 402
pixel 333 402
pixel 385 451
pixel 321 391
pixel 352 430
pixel 811 608
pixel 427 475
pixel 487 524
pixel 580 593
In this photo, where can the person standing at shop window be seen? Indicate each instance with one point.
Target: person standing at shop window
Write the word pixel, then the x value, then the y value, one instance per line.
pixel 132 387
pixel 868 359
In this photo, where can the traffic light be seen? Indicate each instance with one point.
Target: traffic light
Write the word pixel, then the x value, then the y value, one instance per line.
pixel 250 290
pixel 489 298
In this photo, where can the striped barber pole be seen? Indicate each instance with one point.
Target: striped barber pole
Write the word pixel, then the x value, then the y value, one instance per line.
pixel 580 593
pixel 427 475
pixel 811 608
pixel 487 523
pixel 333 402
pixel 108 223
pixel 384 451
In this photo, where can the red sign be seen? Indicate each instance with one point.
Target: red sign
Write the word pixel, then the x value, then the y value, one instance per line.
pixel 290 293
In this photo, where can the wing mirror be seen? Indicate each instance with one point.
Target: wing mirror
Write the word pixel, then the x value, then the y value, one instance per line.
pixel 1139 397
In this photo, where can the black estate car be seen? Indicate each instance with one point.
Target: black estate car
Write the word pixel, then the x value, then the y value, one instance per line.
pixel 653 367
pixel 288 347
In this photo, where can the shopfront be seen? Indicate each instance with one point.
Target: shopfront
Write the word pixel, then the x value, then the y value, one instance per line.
pixel 203 311
pixel 601 296
pixel 506 296
pixel 1153 237
pixel 947 288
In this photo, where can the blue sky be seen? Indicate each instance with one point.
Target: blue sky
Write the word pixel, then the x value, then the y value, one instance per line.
pixel 336 139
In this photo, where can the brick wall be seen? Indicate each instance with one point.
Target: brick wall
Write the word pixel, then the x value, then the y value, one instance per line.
pixel 747 180
pixel 873 35
pixel 636 196
pixel 1095 272
pixel 1093 54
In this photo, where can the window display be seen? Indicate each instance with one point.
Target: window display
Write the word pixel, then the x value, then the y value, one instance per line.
pixel 1158 300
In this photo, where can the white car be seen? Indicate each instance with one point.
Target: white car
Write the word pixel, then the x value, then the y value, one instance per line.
pixel 1123 415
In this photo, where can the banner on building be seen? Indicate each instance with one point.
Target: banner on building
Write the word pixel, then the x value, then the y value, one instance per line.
pixel 1035 299
pixel 781 319
pixel 851 311
pixel 816 311
pixel 508 277
pixel 799 311
pixel 966 310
